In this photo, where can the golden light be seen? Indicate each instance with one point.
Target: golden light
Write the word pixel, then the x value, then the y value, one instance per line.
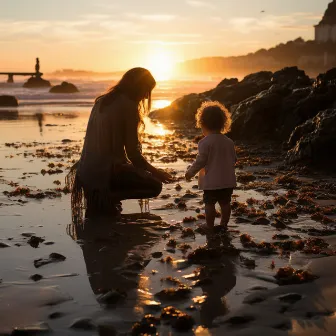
pixel 161 64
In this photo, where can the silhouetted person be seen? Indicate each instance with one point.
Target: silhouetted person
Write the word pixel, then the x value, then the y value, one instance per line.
pixel 112 167
pixel 37 67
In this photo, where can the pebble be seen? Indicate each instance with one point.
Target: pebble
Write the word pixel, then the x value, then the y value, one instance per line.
pixel 53 257
pixel 28 234
pixel 56 315
pixel 243 319
pixel 261 221
pixel 111 297
pixel 36 277
pixel 157 255
pixel 35 241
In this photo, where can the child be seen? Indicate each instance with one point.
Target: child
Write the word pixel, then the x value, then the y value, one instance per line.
pixel 215 162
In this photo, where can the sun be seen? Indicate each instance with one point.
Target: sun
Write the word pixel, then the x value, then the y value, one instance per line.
pixel 161 64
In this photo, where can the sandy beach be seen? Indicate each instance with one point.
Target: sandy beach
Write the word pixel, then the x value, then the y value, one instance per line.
pixel 102 276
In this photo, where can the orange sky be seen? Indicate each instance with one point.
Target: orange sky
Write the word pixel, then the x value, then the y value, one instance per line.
pixel 107 35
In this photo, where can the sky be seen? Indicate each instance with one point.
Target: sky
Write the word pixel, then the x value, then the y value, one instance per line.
pixel 109 35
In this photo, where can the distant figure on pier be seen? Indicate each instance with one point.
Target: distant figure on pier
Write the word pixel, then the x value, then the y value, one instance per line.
pixel 37 67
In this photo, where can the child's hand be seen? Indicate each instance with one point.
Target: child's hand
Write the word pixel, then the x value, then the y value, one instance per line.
pixel 188 177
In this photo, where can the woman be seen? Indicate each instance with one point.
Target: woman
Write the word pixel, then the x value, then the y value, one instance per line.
pixel 112 167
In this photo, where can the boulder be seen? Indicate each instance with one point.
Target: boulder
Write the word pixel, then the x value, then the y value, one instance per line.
pixel 36 82
pixel 228 82
pixel 8 101
pixel 291 77
pixel 229 92
pixel 65 87
pixel 314 141
pixel 250 86
pixel 259 117
pixel 183 108
pixel 328 78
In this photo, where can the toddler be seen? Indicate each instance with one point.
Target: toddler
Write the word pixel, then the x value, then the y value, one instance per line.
pixel 215 162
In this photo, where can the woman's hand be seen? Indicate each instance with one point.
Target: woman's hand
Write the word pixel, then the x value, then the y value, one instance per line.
pixel 163 176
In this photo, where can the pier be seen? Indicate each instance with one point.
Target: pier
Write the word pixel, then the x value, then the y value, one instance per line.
pixel 36 74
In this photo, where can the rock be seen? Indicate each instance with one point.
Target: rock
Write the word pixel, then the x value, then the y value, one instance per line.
pixel 143 328
pixel 328 78
pixel 183 322
pixel 315 140
pixel 292 77
pixel 8 101
pixel 27 234
pixel 290 297
pixel 36 277
pixel 65 87
pixel 53 257
pixel 36 82
pixel 279 224
pixel 261 221
pixel 35 241
pixel 83 324
pixel 4 245
pixel 240 319
pixel 112 297
pixel 36 329
pixel 262 112
pixel 228 82
pixel 56 315
pixel 157 255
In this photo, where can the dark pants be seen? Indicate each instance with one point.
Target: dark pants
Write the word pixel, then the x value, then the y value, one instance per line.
pixel 124 185
pixel 135 185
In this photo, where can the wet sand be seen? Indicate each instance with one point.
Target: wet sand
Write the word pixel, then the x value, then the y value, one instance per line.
pixel 112 275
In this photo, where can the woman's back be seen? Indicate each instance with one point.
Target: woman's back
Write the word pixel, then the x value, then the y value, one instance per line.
pixel 104 145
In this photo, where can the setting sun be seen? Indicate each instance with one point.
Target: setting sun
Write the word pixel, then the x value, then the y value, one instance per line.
pixel 161 64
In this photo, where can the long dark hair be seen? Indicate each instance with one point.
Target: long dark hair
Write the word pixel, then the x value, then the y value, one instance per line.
pixel 137 84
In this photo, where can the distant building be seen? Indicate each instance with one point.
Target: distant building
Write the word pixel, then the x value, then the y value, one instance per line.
pixel 325 31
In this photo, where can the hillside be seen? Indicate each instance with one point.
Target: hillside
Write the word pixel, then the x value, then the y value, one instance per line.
pixel 310 56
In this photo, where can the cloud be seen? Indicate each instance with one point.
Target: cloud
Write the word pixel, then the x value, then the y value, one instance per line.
pixel 88 28
pixel 160 42
pixel 152 17
pixel 296 21
pixel 200 4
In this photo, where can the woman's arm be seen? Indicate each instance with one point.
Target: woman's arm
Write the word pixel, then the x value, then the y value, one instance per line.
pixel 133 148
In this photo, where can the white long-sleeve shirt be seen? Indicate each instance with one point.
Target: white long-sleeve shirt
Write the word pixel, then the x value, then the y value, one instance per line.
pixel 216 163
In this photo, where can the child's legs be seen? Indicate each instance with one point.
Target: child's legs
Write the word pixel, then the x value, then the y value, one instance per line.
pixel 210 201
pixel 226 212
pixel 224 200
pixel 210 215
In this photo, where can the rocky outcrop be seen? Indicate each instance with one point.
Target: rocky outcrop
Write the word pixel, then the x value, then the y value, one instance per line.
pixel 228 92
pixel 231 92
pixel 292 77
pixel 315 141
pixel 65 87
pixel 328 78
pixel 36 83
pixel 8 101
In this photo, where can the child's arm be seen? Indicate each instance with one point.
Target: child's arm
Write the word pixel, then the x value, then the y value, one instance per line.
pixel 201 161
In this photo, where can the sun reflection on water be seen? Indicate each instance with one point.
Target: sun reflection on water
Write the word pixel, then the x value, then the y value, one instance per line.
pixel 156 128
pixel 160 103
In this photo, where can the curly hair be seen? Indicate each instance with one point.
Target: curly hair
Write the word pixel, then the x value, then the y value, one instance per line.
pixel 214 116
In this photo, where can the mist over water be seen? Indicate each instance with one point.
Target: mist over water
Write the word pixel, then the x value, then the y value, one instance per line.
pixel 165 91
